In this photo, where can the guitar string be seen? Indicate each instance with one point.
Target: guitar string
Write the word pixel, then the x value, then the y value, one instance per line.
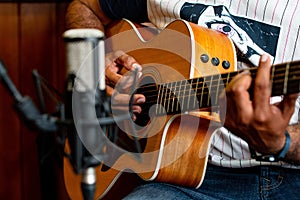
pixel 173 97
pixel 167 93
pixel 217 79
pixel 277 79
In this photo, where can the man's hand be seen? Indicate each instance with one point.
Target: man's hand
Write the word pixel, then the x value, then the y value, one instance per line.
pixel 119 86
pixel 258 122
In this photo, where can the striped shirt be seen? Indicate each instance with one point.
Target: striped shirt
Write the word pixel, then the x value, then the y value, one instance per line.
pixel 282 42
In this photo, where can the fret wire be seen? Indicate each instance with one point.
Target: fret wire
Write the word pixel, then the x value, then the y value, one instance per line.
pixel 195 102
pixel 162 98
pixel 178 95
pixel 217 93
pixel 164 94
pixel 227 79
pixel 169 86
pixel 182 97
pixel 215 89
pixel 275 81
pixel 166 98
pixel 158 99
pixel 277 76
pixel 174 97
pixel 202 89
pixel 197 83
pixel 189 95
pixel 252 69
pixel 209 95
pixel 196 90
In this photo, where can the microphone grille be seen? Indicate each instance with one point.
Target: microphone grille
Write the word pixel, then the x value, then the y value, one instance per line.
pixel 82 55
pixel 82 33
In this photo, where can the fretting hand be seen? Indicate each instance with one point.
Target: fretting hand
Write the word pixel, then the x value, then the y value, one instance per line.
pixel 260 123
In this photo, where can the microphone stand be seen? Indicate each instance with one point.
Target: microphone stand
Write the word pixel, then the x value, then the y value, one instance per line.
pixel 82 160
pixel 87 141
pixel 26 108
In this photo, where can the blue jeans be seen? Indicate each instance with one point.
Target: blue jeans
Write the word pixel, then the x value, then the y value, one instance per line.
pixel 264 182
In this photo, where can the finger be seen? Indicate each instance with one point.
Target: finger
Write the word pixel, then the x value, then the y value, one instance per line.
pixel 134 117
pixel 127 61
pixel 126 80
pixel 109 90
pixel 110 63
pixel 121 104
pixel 121 110
pixel 136 109
pixel 262 92
pixel 237 94
pixel 111 77
pixel 139 99
pixel 288 105
pixel 124 99
pixel 119 99
pixel 127 83
pixel 223 97
pixel 223 105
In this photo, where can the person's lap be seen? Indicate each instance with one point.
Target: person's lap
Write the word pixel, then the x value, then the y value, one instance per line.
pixel 265 182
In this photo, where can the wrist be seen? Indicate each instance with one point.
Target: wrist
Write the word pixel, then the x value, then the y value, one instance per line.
pixel 274 157
pixel 282 153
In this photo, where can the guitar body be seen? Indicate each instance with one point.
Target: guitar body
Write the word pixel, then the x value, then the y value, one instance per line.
pixel 174 146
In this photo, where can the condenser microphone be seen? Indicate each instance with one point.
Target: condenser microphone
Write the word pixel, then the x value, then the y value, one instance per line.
pixel 85 89
pixel 85 54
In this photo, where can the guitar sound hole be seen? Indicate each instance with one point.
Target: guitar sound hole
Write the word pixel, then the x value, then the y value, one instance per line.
pixel 143 118
pixel 148 88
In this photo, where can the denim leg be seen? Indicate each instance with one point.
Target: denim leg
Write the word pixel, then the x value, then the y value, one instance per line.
pixel 233 184
pixel 219 183
pixel 279 183
pixel 267 183
pixel 159 191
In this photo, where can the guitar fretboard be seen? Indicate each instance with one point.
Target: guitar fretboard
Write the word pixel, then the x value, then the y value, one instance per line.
pixel 203 92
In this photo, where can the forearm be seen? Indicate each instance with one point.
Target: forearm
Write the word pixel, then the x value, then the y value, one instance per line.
pixel 293 154
pixel 85 14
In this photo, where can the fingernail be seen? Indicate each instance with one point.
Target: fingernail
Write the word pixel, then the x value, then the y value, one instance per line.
pixel 140 100
pixel 136 110
pixel 134 118
pixel 137 66
pixel 264 58
pixel 139 74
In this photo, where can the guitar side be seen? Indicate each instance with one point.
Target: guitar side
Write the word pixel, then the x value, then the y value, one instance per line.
pixel 177 53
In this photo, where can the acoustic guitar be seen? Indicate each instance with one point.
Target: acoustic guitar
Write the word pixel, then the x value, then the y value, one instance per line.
pixel 185 68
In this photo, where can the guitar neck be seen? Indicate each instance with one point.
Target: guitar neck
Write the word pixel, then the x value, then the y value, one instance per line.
pixel 285 78
pixel 203 92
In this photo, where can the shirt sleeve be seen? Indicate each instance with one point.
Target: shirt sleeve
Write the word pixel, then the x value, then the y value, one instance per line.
pixel 134 10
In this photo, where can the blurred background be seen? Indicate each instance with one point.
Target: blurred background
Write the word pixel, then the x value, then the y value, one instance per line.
pixel 30 38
